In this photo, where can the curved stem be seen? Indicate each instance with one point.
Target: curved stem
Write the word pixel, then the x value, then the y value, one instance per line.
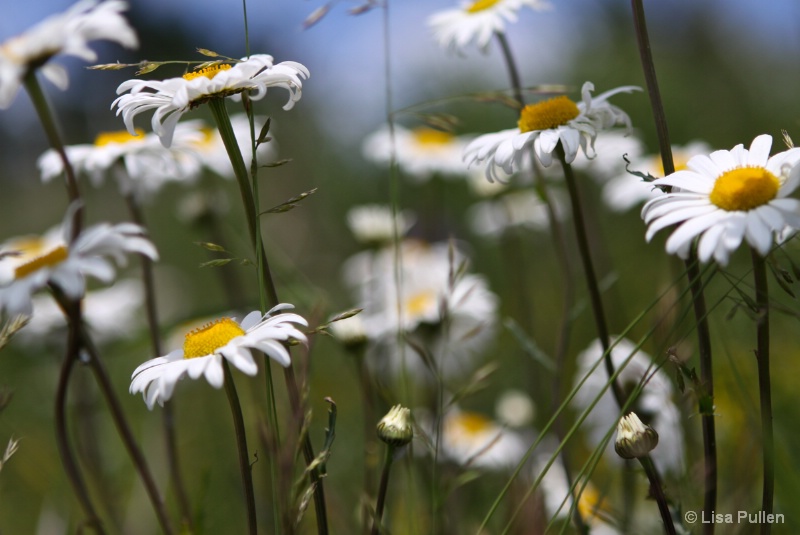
pixel 382 490
pixel 241 444
pixel 657 492
pixel 62 435
pixel 764 388
pixel 124 430
pixel 511 66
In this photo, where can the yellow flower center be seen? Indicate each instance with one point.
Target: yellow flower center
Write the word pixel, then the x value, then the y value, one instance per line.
pixel 205 340
pixel 744 189
pixel 432 138
pixel 480 5
pixel 49 259
pixel 590 502
pixel 473 423
pixel 547 114
pixel 417 304
pixel 120 136
pixel 678 161
pixel 208 72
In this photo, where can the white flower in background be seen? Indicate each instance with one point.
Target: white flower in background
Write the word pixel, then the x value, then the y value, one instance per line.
pixel 420 152
pixel 477 21
pixel 515 408
pixel 727 197
pixel 173 97
pixel 65 34
pixel 516 209
pixel 111 313
pixel 471 439
pixel 146 163
pixel 349 331
pixel 449 312
pixel 611 147
pixel 373 224
pixel 625 190
pixel 205 347
pixel 212 153
pixel 68 264
pixel 654 404
pixel 546 124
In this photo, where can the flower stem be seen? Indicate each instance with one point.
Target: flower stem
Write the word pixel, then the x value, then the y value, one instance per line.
pixel 124 430
pixel 384 486
pixel 241 443
pixel 706 402
pixel 62 436
pixel 54 137
pixel 511 66
pixel 168 413
pixel 764 388
pixel 657 492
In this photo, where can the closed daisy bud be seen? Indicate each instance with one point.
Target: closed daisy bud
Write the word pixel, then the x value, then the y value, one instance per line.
pixel 634 439
pixel 395 428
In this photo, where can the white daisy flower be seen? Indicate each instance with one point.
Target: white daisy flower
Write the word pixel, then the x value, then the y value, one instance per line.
pixel 68 264
pixel 147 164
pixel 373 224
pixel 420 152
pixel 727 197
pixel 625 190
pixel 212 153
pixel 173 97
pixel 611 147
pixel 477 21
pixel 654 404
pixel 67 33
pixel 205 347
pixel 514 210
pixel 544 125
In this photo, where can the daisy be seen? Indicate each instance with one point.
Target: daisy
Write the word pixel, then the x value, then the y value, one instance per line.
pixel 205 347
pixel 421 152
pixel 514 210
pixel 654 404
pixel 373 224
pixel 626 190
pixel 212 152
pixel 478 21
pixel 611 147
pixel 726 197
pixel 147 164
pixel 173 97
pixel 69 263
pixel 67 33
pixel 544 125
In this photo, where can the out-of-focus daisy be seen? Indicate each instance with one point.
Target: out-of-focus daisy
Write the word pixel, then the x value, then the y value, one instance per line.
pixel 477 21
pixel 517 209
pixel 451 313
pixel 611 147
pixel 625 190
pixel 471 439
pixel 173 97
pixel 111 313
pixel 373 224
pixel 515 408
pixel 546 124
pixel 212 153
pixel 205 347
pixel 350 332
pixel 67 33
pixel 727 197
pixel 68 264
pixel 147 164
pixel 654 404
pixel 421 152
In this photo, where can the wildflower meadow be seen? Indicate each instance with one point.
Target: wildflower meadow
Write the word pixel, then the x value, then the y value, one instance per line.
pixel 382 267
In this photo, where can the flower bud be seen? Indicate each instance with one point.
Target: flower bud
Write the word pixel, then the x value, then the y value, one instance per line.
pixel 634 439
pixel 395 428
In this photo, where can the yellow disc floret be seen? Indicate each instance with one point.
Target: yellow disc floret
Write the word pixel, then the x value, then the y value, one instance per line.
pixel 480 5
pixel 744 189
pixel 417 304
pixel 49 259
pixel 205 340
pixel 120 136
pixel 431 137
pixel 208 72
pixel 473 423
pixel 547 114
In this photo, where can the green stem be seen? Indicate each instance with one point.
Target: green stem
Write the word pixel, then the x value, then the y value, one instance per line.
pixel 241 444
pixel 384 486
pixel 168 412
pixel 692 273
pixel 657 492
pixel 764 388
pixel 511 66
pixel 54 137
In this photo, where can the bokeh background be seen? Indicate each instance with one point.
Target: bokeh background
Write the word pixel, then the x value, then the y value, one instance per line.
pixel 729 70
